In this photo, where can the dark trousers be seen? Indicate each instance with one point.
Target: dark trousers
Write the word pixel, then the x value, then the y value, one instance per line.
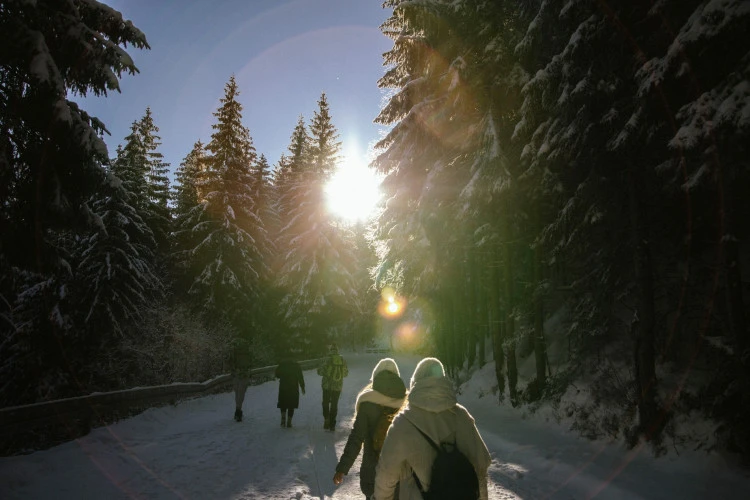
pixel 241 382
pixel 330 405
pixel 289 410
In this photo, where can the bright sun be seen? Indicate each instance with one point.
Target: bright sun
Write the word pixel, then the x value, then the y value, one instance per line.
pixel 353 191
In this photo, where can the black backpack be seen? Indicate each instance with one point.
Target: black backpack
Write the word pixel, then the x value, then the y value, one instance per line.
pixel 453 477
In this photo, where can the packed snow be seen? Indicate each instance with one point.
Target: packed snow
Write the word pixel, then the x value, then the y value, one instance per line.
pixel 196 450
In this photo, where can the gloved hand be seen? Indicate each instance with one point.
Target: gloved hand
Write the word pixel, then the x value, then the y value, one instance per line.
pixel 303 391
pixel 338 478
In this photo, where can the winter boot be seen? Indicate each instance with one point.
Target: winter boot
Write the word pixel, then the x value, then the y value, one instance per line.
pixel 326 424
pixel 283 419
pixel 289 421
pixel 238 415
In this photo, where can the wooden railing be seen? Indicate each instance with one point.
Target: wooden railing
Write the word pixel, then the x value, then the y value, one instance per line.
pixel 88 411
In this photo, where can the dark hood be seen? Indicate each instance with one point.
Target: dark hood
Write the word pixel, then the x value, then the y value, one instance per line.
pixel 389 384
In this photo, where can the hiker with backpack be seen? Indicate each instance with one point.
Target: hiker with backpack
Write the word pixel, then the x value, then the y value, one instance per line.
pixel 333 371
pixel 376 405
pixel 241 360
pixel 291 381
pixel 433 449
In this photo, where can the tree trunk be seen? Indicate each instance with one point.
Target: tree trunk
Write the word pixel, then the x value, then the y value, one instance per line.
pixel 642 327
pixel 540 346
pixel 732 270
pixel 482 312
pixel 470 309
pixel 497 330
pixel 509 304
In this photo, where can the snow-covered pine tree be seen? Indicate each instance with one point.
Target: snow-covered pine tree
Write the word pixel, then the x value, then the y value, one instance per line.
pixel 577 98
pixel 694 87
pixel 285 177
pixel 427 158
pixel 226 263
pixel 135 165
pixel 157 181
pixel 184 192
pixel 131 167
pixel 50 149
pixel 324 144
pixel 317 266
pixel 263 196
pixel 116 269
pixel 51 156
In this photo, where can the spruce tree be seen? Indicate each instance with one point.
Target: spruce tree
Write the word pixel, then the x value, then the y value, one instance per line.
pixel 51 151
pixel 116 269
pixel 288 171
pixel 317 262
pixel 324 145
pixel 225 265
pixel 51 157
pixel 157 181
pixel 185 193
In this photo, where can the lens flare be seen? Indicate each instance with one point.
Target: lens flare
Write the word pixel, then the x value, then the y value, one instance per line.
pixel 408 336
pixel 391 305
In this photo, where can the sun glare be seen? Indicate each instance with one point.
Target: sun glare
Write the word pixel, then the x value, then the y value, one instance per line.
pixel 353 191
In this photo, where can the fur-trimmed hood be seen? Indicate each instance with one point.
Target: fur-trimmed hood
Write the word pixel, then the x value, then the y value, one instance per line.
pixel 387 388
pixel 385 364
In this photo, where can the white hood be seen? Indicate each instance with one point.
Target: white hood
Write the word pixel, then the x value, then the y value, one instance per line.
pixel 434 394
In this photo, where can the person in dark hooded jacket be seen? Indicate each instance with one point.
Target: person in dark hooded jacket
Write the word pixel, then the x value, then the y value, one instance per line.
pixel 383 396
pixel 291 381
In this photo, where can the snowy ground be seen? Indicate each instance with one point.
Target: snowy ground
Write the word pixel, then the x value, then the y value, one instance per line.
pixel 195 450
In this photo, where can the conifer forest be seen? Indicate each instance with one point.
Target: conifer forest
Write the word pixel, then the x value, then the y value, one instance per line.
pixel 554 171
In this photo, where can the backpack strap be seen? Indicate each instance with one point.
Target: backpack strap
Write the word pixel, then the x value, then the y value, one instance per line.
pixel 428 438
pixel 434 446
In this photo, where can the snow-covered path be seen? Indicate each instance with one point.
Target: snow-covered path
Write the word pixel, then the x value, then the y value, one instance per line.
pixel 195 450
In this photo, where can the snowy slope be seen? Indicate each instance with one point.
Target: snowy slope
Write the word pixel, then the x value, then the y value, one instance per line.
pixel 196 450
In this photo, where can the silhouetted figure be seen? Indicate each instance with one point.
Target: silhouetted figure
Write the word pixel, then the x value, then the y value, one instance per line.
pixel 333 371
pixel 291 381
pixel 241 362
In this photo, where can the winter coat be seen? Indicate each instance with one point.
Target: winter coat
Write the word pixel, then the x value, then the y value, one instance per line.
pixel 241 358
pixel 333 371
pixel 291 380
pixel 386 395
pixel 432 407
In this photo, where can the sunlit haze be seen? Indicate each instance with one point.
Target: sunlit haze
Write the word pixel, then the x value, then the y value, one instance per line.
pixel 353 191
pixel 283 53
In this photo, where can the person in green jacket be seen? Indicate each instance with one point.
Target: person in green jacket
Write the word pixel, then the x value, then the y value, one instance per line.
pixel 333 372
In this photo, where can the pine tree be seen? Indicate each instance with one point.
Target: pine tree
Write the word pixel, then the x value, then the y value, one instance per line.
pixel 116 268
pixel 428 157
pixel 50 149
pixel 317 262
pixel 51 157
pixel 138 164
pixel 131 167
pixel 288 171
pixel 185 193
pixel 157 181
pixel 227 262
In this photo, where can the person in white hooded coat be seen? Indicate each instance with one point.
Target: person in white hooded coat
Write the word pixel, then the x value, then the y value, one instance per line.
pixel 431 407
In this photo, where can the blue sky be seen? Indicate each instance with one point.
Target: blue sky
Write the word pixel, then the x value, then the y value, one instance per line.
pixel 283 54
